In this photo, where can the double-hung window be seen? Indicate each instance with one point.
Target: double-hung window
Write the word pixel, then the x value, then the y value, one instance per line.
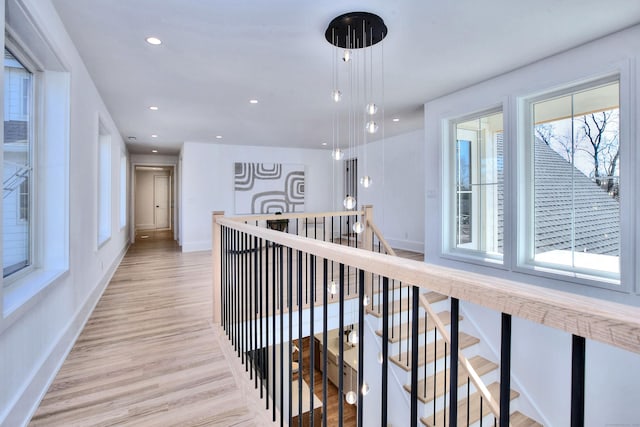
pixel 18 159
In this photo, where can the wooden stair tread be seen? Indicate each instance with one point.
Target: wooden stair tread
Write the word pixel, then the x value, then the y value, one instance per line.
pixel 474 407
pixel 403 331
pixel 481 365
pixel 404 360
pixel 405 303
pixel 518 419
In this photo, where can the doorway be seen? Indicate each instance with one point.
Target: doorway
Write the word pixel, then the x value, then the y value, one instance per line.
pixel 153 194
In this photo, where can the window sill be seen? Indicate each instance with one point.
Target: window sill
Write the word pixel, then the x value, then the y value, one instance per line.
pixel 25 292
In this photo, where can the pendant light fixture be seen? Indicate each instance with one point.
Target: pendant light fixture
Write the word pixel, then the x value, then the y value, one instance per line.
pixel 354 36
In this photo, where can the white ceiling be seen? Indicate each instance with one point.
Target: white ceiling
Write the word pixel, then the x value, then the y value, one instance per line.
pixel 218 54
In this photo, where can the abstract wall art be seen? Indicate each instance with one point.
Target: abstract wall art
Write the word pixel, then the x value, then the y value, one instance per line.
pixel 266 188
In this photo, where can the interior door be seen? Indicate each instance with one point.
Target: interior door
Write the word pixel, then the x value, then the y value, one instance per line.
pixel 161 201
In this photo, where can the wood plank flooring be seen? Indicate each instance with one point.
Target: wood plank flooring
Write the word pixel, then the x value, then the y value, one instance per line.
pixel 149 354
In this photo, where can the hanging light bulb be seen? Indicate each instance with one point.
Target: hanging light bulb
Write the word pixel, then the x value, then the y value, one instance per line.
pixel 351 397
pixel 346 56
pixel 365 300
pixel 371 127
pixel 349 202
pixel 332 288
pixel 358 227
pixel 365 389
pixel 366 181
pixel 353 337
pixel 337 154
pixel 371 108
pixel 336 95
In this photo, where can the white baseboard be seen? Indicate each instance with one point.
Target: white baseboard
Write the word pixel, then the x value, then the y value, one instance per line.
pixel 203 245
pixel 29 399
pixel 407 245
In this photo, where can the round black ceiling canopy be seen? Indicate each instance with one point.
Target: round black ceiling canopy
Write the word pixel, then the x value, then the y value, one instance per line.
pixel 355 30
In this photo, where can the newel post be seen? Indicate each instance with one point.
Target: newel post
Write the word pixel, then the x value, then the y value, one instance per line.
pixel 216 254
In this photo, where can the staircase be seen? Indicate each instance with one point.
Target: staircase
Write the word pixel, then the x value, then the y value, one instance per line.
pixel 432 392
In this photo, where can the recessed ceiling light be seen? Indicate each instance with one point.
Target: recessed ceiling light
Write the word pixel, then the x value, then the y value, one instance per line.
pixel 218 136
pixel 154 41
pixel 131 138
pixel 154 136
pixel 396 120
pixel 253 101
pixel 154 151
pixel 153 108
pixel 324 143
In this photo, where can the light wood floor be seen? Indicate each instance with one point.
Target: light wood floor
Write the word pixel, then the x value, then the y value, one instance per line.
pixel 149 354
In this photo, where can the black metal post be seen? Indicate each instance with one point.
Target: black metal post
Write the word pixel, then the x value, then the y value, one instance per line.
pixel 385 350
pixel 360 346
pixel 505 370
pixel 414 355
pixel 578 363
pixel 453 370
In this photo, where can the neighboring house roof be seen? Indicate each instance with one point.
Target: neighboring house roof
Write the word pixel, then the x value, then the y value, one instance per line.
pixel 559 187
pixel 15 131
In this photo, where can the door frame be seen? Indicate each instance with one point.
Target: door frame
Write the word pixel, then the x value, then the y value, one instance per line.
pixel 174 185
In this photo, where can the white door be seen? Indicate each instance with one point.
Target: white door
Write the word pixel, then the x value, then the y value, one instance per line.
pixel 161 201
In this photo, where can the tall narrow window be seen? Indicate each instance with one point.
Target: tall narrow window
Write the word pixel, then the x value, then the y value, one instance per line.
pixel 576 184
pixel 477 190
pixel 104 186
pixel 18 149
pixel 123 191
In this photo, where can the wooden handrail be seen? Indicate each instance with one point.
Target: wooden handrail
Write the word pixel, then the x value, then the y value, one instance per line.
pixel 294 215
pixel 608 322
pixel 376 232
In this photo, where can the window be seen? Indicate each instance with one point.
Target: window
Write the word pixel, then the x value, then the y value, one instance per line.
pixel 476 196
pixel 123 191
pixel 104 185
pixel 18 149
pixel 574 202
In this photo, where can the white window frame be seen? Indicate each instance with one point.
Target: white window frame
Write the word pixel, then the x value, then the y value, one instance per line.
pixel 50 199
pixel 449 249
pixel 525 225
pixel 104 191
pixel 123 190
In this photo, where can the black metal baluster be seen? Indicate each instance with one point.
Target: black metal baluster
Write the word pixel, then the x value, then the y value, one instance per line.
pixel 281 281
pixel 235 292
pixel 325 326
pixel 435 372
pixel 578 364
pixel 300 312
pixel 290 308
pixel 341 347
pixel 505 370
pixel 385 349
pixel 424 375
pixel 414 357
pixel 360 347
pixel 481 402
pixel 469 401
pixel 273 329
pixel 260 300
pixel 243 307
pixel 254 308
pixel 265 350
pixel 223 278
pixel 312 288
pixel 453 372
pixel 251 304
pixel 408 322
pixel 444 423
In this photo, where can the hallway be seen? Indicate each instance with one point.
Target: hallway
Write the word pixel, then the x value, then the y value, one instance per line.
pixel 149 354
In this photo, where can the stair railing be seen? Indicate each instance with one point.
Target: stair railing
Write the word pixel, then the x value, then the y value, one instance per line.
pixel 426 306
pixel 254 265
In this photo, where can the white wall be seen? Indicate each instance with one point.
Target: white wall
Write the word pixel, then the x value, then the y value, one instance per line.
pixel 397 194
pixel 35 338
pixel 541 356
pixel 207 183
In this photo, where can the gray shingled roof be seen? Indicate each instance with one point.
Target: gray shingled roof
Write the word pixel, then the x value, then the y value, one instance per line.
pixel 597 214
